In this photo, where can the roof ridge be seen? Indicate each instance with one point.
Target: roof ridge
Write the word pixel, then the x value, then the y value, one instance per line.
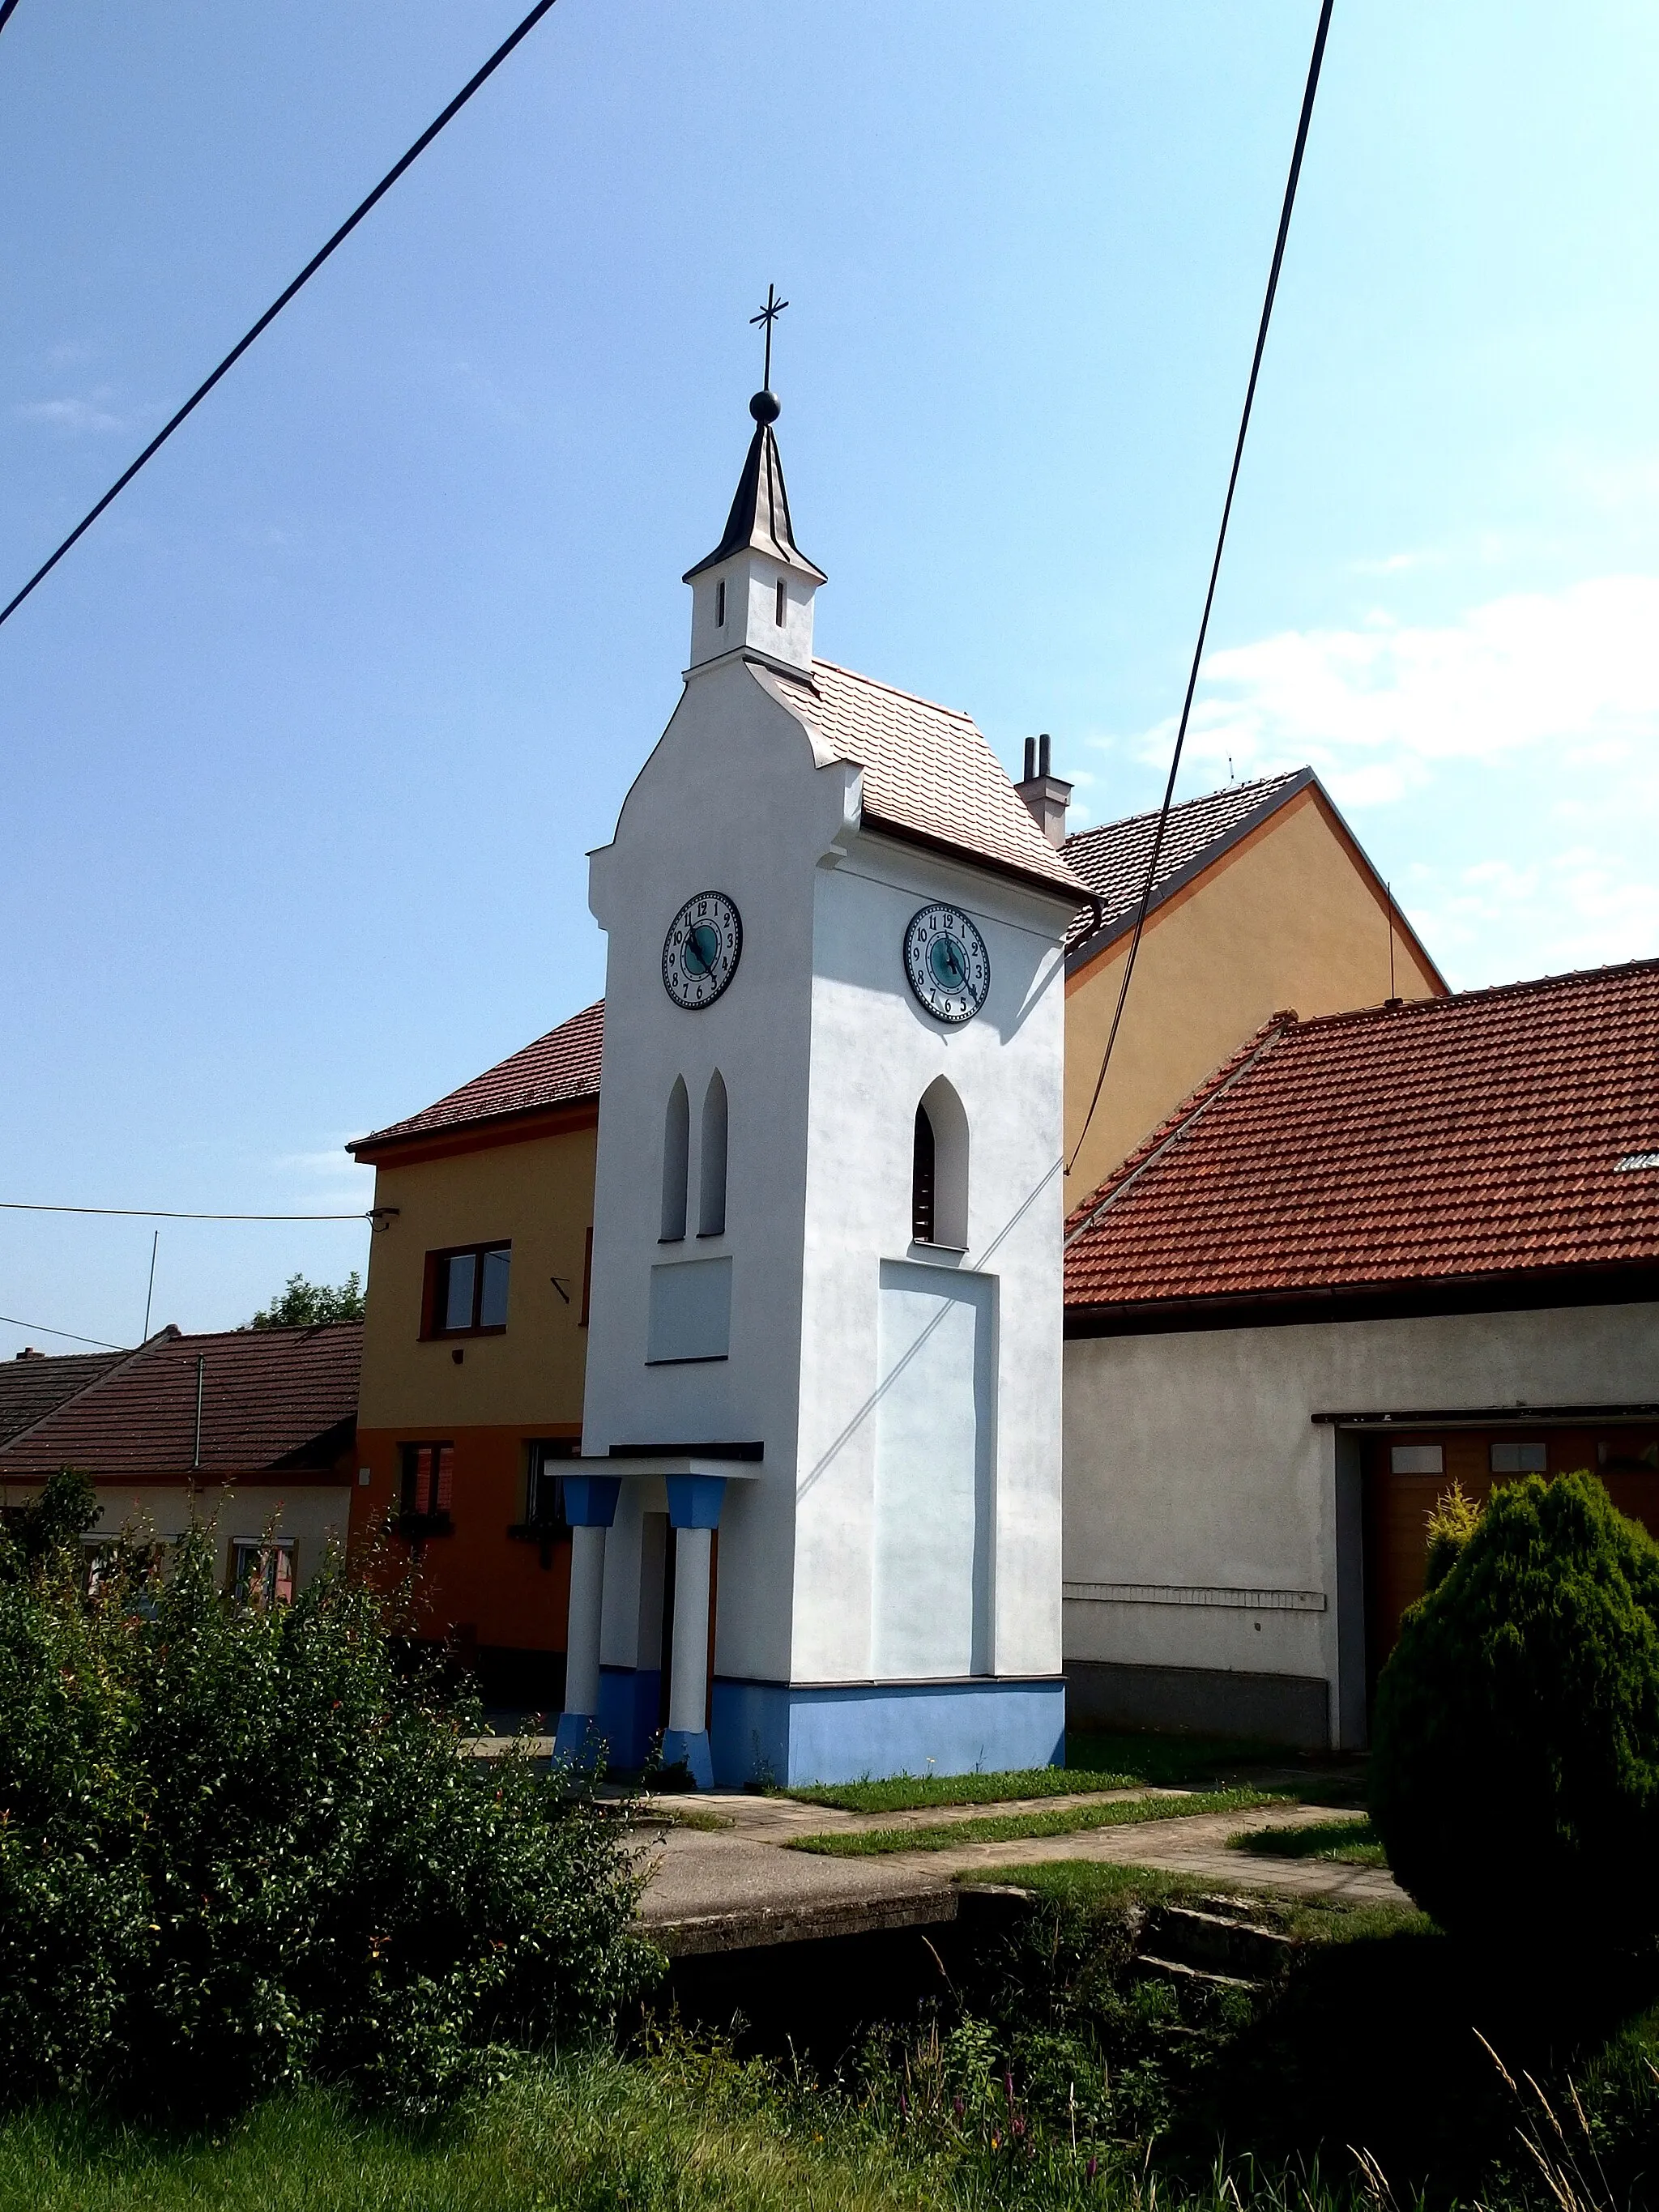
pixel 1452 1000
pixel 1198 798
pixel 879 683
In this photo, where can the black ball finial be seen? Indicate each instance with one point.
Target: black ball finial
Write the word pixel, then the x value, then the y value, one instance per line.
pixel 765 407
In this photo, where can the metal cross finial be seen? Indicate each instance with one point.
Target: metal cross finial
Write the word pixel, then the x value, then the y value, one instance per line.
pixel 769 315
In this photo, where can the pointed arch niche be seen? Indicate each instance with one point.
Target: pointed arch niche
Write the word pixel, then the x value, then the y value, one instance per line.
pixel 938 1177
pixel 676 1160
pixel 711 1178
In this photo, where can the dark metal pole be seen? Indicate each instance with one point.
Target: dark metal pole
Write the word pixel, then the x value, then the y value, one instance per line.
pixel 201 1363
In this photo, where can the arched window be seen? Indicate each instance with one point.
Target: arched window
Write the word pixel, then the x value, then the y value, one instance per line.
pixel 923 1164
pixel 938 1179
pixel 711 1180
pixel 676 1160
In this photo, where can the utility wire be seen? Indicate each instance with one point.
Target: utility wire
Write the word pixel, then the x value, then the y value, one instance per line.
pixel 282 298
pixel 161 1212
pixel 39 1326
pixel 1215 566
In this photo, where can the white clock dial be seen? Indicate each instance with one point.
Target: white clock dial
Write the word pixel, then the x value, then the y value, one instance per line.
pixel 700 953
pixel 948 966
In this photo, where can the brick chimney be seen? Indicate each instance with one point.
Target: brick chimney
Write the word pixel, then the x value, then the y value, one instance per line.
pixel 1046 796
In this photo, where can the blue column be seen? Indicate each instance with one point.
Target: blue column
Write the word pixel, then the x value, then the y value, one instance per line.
pixel 693 1512
pixel 590 1506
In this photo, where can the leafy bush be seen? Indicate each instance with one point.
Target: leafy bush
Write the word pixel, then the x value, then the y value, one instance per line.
pixel 238 1851
pixel 302 1305
pixel 1455 1519
pixel 1515 1764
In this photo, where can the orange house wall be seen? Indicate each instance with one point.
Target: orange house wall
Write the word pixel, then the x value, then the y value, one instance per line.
pixel 478 1583
pixel 534 1186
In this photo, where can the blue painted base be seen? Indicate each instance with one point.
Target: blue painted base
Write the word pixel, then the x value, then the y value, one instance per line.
pixel 630 1698
pixel 680 1744
pixel 769 1731
pixel 576 1739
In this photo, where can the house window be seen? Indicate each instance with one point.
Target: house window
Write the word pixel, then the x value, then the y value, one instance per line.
pixel 544 1501
pixel 711 1181
pixel 1519 1459
pixel 778 616
pixel 429 1484
pixel 467 1291
pixel 719 604
pixel 676 1162
pixel 263 1572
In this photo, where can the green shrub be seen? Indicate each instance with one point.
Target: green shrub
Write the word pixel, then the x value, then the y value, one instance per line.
pixel 1515 1763
pixel 239 1851
pixel 1455 1519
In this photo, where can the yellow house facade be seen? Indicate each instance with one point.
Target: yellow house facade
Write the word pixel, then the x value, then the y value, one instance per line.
pixel 1263 901
pixel 474 1351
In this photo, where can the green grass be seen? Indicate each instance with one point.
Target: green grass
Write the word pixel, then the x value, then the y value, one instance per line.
pixel 1017 1827
pixel 688 2130
pixel 1124 1759
pixel 1351 1843
pixel 1093 1883
pixel 910 1793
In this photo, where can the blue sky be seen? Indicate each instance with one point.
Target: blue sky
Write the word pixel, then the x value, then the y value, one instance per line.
pixel 303 746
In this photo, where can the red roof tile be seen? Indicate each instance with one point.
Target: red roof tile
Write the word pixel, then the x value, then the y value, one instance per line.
pixel 31 1385
pixel 273 1400
pixel 1471 1136
pixel 928 771
pixel 560 1069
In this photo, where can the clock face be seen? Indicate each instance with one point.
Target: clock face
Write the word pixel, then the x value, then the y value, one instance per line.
pixel 948 966
pixel 700 953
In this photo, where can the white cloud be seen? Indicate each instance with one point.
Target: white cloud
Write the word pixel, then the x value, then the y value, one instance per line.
pixel 1378 707
pixel 75 416
pixel 1516 748
pixel 1537 916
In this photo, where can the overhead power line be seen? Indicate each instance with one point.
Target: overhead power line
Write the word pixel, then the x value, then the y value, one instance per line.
pixel 39 1326
pixel 166 1213
pixel 1215 568
pixel 282 298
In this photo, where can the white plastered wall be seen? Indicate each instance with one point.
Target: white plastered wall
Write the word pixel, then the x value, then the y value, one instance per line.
pixel 1192 1459
pixel 311 1518
pixel 824 1055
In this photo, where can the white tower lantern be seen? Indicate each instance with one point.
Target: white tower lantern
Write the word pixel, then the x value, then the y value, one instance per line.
pixel 818 1505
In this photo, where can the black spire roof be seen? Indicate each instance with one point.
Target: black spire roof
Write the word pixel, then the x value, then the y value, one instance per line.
pixel 759 520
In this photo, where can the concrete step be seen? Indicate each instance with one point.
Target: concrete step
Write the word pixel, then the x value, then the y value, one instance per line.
pixel 1185 1977
pixel 1232 1947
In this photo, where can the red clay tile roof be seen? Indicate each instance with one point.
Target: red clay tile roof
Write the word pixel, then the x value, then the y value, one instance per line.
pixel 560 1069
pixel 928 772
pixel 273 1400
pixel 1474 1136
pixel 30 1388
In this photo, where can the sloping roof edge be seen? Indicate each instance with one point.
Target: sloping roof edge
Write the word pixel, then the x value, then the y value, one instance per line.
pixel 1102 939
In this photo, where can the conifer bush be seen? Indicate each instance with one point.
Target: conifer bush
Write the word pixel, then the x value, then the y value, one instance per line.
pixel 1514 1761
pixel 240 1850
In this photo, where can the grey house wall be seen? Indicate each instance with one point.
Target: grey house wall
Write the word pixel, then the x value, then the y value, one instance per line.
pixel 1213 1572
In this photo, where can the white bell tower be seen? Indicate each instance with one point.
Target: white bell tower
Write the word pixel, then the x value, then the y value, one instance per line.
pixel 817 1515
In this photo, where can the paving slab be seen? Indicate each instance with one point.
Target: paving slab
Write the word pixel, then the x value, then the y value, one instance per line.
pixel 726 1892
pixel 1197 1846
